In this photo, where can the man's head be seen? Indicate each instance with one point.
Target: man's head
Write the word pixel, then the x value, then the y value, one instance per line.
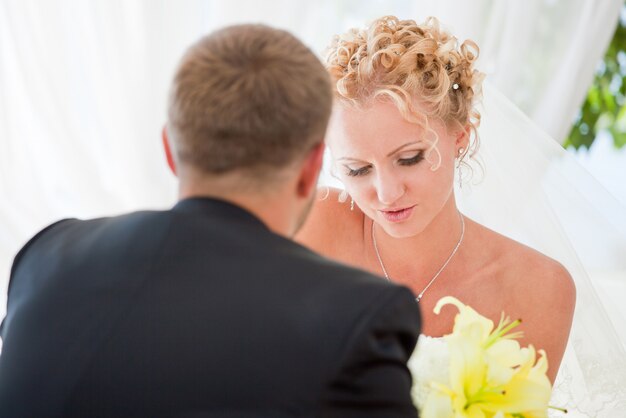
pixel 248 111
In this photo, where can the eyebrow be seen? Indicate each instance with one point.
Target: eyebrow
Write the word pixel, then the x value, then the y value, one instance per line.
pixel 401 147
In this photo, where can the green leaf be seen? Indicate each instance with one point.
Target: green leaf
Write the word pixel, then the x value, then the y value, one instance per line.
pixel 619 138
pixel 620 120
pixel 604 109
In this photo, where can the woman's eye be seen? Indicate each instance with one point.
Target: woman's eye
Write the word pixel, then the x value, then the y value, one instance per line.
pixel 358 171
pixel 413 160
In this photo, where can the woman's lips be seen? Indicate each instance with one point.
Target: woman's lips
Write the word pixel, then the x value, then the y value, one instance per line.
pixel 398 215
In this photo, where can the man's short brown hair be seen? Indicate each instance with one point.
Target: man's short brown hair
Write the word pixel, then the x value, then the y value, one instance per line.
pixel 247 97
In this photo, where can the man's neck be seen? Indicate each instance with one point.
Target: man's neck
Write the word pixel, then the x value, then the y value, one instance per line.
pixel 273 209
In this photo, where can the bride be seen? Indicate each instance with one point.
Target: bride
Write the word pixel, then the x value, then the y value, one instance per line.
pixel 404 126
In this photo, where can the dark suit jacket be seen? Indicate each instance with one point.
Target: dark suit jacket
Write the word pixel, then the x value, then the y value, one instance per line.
pixel 199 311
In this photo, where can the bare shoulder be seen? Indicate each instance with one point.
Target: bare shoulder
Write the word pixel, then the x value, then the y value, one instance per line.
pixel 525 268
pixel 331 224
pixel 533 287
pixel 541 276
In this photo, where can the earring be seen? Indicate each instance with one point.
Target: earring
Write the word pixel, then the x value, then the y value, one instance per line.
pixel 343 196
pixel 458 166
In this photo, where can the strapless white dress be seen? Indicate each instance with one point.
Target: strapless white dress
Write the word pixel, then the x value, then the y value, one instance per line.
pixel 429 363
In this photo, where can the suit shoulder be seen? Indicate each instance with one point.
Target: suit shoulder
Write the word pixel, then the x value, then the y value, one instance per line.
pixel 310 262
pixel 36 237
pixel 351 291
pixel 72 234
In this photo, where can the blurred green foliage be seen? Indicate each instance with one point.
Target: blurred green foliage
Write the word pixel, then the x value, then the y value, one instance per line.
pixel 605 106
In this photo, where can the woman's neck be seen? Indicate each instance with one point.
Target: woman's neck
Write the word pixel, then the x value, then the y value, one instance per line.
pixel 415 260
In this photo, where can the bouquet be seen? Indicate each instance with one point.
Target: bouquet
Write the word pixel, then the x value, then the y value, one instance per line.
pixel 479 371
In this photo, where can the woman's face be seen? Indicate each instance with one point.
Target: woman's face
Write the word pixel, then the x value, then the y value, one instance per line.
pixel 384 163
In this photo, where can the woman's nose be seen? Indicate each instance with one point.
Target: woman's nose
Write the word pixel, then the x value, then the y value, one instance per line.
pixel 389 188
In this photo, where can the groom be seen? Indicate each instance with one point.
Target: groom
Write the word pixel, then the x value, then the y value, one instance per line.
pixel 209 309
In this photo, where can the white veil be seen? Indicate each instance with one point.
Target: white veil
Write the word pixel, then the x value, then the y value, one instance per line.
pixel 533 191
pixel 526 186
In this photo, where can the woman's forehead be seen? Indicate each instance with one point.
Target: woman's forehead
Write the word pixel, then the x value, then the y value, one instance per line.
pixel 379 127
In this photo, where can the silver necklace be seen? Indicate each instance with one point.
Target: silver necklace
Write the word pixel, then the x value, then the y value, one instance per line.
pixel 445 264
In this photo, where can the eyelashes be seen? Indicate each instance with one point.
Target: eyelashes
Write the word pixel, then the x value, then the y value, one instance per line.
pixel 361 171
pixel 413 160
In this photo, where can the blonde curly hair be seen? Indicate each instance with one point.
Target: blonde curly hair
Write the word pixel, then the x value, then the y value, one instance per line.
pixel 412 65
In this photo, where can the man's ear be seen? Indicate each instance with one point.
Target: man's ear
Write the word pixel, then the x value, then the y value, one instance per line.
pixel 168 150
pixel 310 170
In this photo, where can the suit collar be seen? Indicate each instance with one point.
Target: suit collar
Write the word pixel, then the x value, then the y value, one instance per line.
pixel 217 208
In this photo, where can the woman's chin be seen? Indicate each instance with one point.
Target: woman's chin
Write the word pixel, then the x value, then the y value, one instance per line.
pixel 401 230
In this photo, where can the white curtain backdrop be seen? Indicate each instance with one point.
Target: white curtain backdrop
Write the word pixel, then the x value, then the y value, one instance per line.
pixel 83 85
